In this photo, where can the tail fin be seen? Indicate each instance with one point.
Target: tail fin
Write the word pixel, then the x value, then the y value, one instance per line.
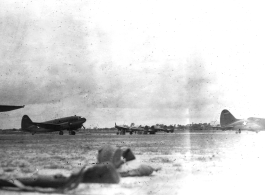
pixel 226 118
pixel 25 122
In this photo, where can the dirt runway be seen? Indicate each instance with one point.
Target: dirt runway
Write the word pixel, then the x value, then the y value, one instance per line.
pixel 212 162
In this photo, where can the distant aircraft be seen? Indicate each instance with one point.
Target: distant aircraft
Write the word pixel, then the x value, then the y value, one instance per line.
pixel 5 108
pixel 156 128
pixel 141 129
pixel 229 122
pixel 169 128
pixel 122 129
pixel 68 123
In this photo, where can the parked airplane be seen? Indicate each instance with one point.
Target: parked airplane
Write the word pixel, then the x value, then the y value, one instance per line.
pixel 68 123
pixel 122 129
pixel 132 129
pixel 229 122
pixel 156 128
pixel 140 129
pixel 169 128
pixel 5 108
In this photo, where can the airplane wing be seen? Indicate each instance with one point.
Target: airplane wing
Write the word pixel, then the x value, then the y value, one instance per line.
pixel 48 126
pixel 5 108
pixel 120 127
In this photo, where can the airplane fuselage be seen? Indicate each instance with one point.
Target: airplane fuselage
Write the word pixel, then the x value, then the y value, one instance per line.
pixel 229 122
pixel 67 123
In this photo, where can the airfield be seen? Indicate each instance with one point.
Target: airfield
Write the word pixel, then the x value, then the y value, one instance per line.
pixel 199 162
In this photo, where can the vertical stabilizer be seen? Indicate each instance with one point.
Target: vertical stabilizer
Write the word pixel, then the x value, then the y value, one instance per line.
pixel 226 118
pixel 26 122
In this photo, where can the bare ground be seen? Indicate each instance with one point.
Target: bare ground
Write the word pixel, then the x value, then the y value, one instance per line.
pixel 202 163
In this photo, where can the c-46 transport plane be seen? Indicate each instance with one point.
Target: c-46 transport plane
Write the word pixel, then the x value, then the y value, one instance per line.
pixel 70 123
pixel 5 108
pixel 229 122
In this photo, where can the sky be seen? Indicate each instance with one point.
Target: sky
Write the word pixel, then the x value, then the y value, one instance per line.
pixel 147 62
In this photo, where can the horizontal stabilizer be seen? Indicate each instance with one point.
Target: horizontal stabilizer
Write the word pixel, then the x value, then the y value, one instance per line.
pixel 5 108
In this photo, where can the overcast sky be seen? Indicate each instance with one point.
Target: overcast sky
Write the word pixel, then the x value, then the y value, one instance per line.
pixel 147 62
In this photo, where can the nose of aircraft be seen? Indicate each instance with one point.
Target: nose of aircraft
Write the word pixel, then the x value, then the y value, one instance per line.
pixel 83 119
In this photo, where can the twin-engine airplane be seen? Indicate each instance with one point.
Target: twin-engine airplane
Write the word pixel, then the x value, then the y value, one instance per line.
pixel 5 108
pixel 229 122
pixel 68 123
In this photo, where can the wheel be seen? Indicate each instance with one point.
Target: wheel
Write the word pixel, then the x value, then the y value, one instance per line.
pixel 72 132
pixel 61 133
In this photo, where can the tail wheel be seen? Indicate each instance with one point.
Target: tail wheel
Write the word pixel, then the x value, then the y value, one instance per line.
pixel 61 133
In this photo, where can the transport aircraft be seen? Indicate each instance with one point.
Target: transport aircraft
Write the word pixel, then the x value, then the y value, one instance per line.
pixel 5 108
pixel 70 123
pixel 229 122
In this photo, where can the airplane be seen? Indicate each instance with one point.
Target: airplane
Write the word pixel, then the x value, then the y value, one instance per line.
pixel 156 128
pixel 137 129
pixel 229 122
pixel 140 129
pixel 169 128
pixel 132 129
pixel 70 123
pixel 122 129
pixel 5 108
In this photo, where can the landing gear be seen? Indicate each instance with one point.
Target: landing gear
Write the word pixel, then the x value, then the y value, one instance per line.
pixel 61 133
pixel 239 131
pixel 71 132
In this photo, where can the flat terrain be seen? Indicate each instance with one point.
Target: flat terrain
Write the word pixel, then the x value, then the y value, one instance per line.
pixel 209 162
